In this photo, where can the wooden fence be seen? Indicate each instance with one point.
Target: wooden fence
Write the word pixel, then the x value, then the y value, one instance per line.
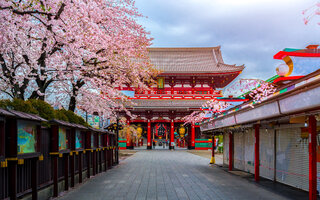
pixel 38 173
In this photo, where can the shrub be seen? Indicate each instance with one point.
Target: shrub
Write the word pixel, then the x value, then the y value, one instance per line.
pixel 72 117
pixel 60 115
pixel 18 105
pixel 44 109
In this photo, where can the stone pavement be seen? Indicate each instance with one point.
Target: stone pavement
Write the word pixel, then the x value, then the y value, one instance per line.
pixel 163 174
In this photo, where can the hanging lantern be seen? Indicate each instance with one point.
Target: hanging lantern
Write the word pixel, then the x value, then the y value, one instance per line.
pixel 160 130
pixel 139 131
pixel 182 131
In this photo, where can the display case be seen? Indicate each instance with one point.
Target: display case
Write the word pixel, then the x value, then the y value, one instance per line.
pixel 3 115
pixel 61 147
pixel 22 137
pixel 77 146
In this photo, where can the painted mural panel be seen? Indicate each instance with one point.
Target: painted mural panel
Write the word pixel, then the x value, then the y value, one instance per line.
pixel 79 143
pixel 92 140
pixel 27 137
pixel 63 141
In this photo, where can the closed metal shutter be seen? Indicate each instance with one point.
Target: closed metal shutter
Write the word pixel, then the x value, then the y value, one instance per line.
pixel 249 150
pixel 318 159
pixel 239 161
pixel 292 161
pixel 267 153
pixel 226 148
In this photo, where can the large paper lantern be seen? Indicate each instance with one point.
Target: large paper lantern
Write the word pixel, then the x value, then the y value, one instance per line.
pixel 282 69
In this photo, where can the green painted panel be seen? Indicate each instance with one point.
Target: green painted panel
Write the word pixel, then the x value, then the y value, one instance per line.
pixel 203 144
pixel 284 90
pixel 202 139
pixel 122 144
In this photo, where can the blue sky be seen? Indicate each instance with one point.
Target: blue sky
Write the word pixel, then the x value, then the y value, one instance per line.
pixel 250 32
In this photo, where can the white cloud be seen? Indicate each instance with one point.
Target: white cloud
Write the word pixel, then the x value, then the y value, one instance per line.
pixel 249 31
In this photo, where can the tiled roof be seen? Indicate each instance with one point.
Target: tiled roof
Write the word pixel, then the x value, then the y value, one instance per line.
pixel 195 60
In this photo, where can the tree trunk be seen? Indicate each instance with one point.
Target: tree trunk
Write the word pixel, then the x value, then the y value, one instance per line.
pixel 72 103
pixel 75 89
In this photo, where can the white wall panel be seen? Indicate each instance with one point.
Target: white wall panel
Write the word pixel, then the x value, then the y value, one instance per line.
pixel 249 150
pixel 267 153
pixel 226 149
pixel 239 161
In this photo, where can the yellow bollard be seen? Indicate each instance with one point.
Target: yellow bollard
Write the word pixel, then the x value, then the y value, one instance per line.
pixel 212 161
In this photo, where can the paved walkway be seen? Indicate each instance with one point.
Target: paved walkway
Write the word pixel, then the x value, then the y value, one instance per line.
pixel 169 175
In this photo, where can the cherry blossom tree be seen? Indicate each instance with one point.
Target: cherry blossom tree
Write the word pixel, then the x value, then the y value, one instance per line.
pixel 213 106
pixel 311 12
pixel 264 90
pixel 241 87
pixel 81 51
pixel 257 94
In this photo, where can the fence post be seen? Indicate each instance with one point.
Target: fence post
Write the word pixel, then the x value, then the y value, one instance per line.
pixel 34 178
pixel 230 151
pixel 256 153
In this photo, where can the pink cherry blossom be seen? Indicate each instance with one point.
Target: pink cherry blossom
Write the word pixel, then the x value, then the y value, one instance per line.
pixel 73 52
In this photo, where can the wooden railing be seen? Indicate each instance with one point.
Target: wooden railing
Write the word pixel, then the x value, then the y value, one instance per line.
pixel 101 159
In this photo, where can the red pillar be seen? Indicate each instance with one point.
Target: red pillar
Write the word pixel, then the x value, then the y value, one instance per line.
pixel 172 135
pixel 193 136
pixel 230 151
pixel 312 158
pixel 129 143
pixel 149 145
pixel 256 153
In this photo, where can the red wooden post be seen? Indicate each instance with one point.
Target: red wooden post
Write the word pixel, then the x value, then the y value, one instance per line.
pixel 94 162
pixel 193 136
pixel 34 180
pixel 108 151
pixel 54 150
pixel 66 172
pixel 172 135
pixel 72 155
pixel 212 161
pixel 105 144
pixel 88 152
pixel 256 153
pixel 11 126
pixel 149 146
pixel 111 151
pixel 312 158
pixel 100 163
pixel 230 151
pixel 55 176
pixel 80 167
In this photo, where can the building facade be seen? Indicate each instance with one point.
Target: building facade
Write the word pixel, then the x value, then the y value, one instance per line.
pixel 189 77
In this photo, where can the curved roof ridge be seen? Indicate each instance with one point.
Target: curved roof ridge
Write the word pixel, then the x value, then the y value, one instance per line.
pixel 183 48
pixel 190 60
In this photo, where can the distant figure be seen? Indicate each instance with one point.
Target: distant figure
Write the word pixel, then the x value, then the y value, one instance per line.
pixel 154 144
